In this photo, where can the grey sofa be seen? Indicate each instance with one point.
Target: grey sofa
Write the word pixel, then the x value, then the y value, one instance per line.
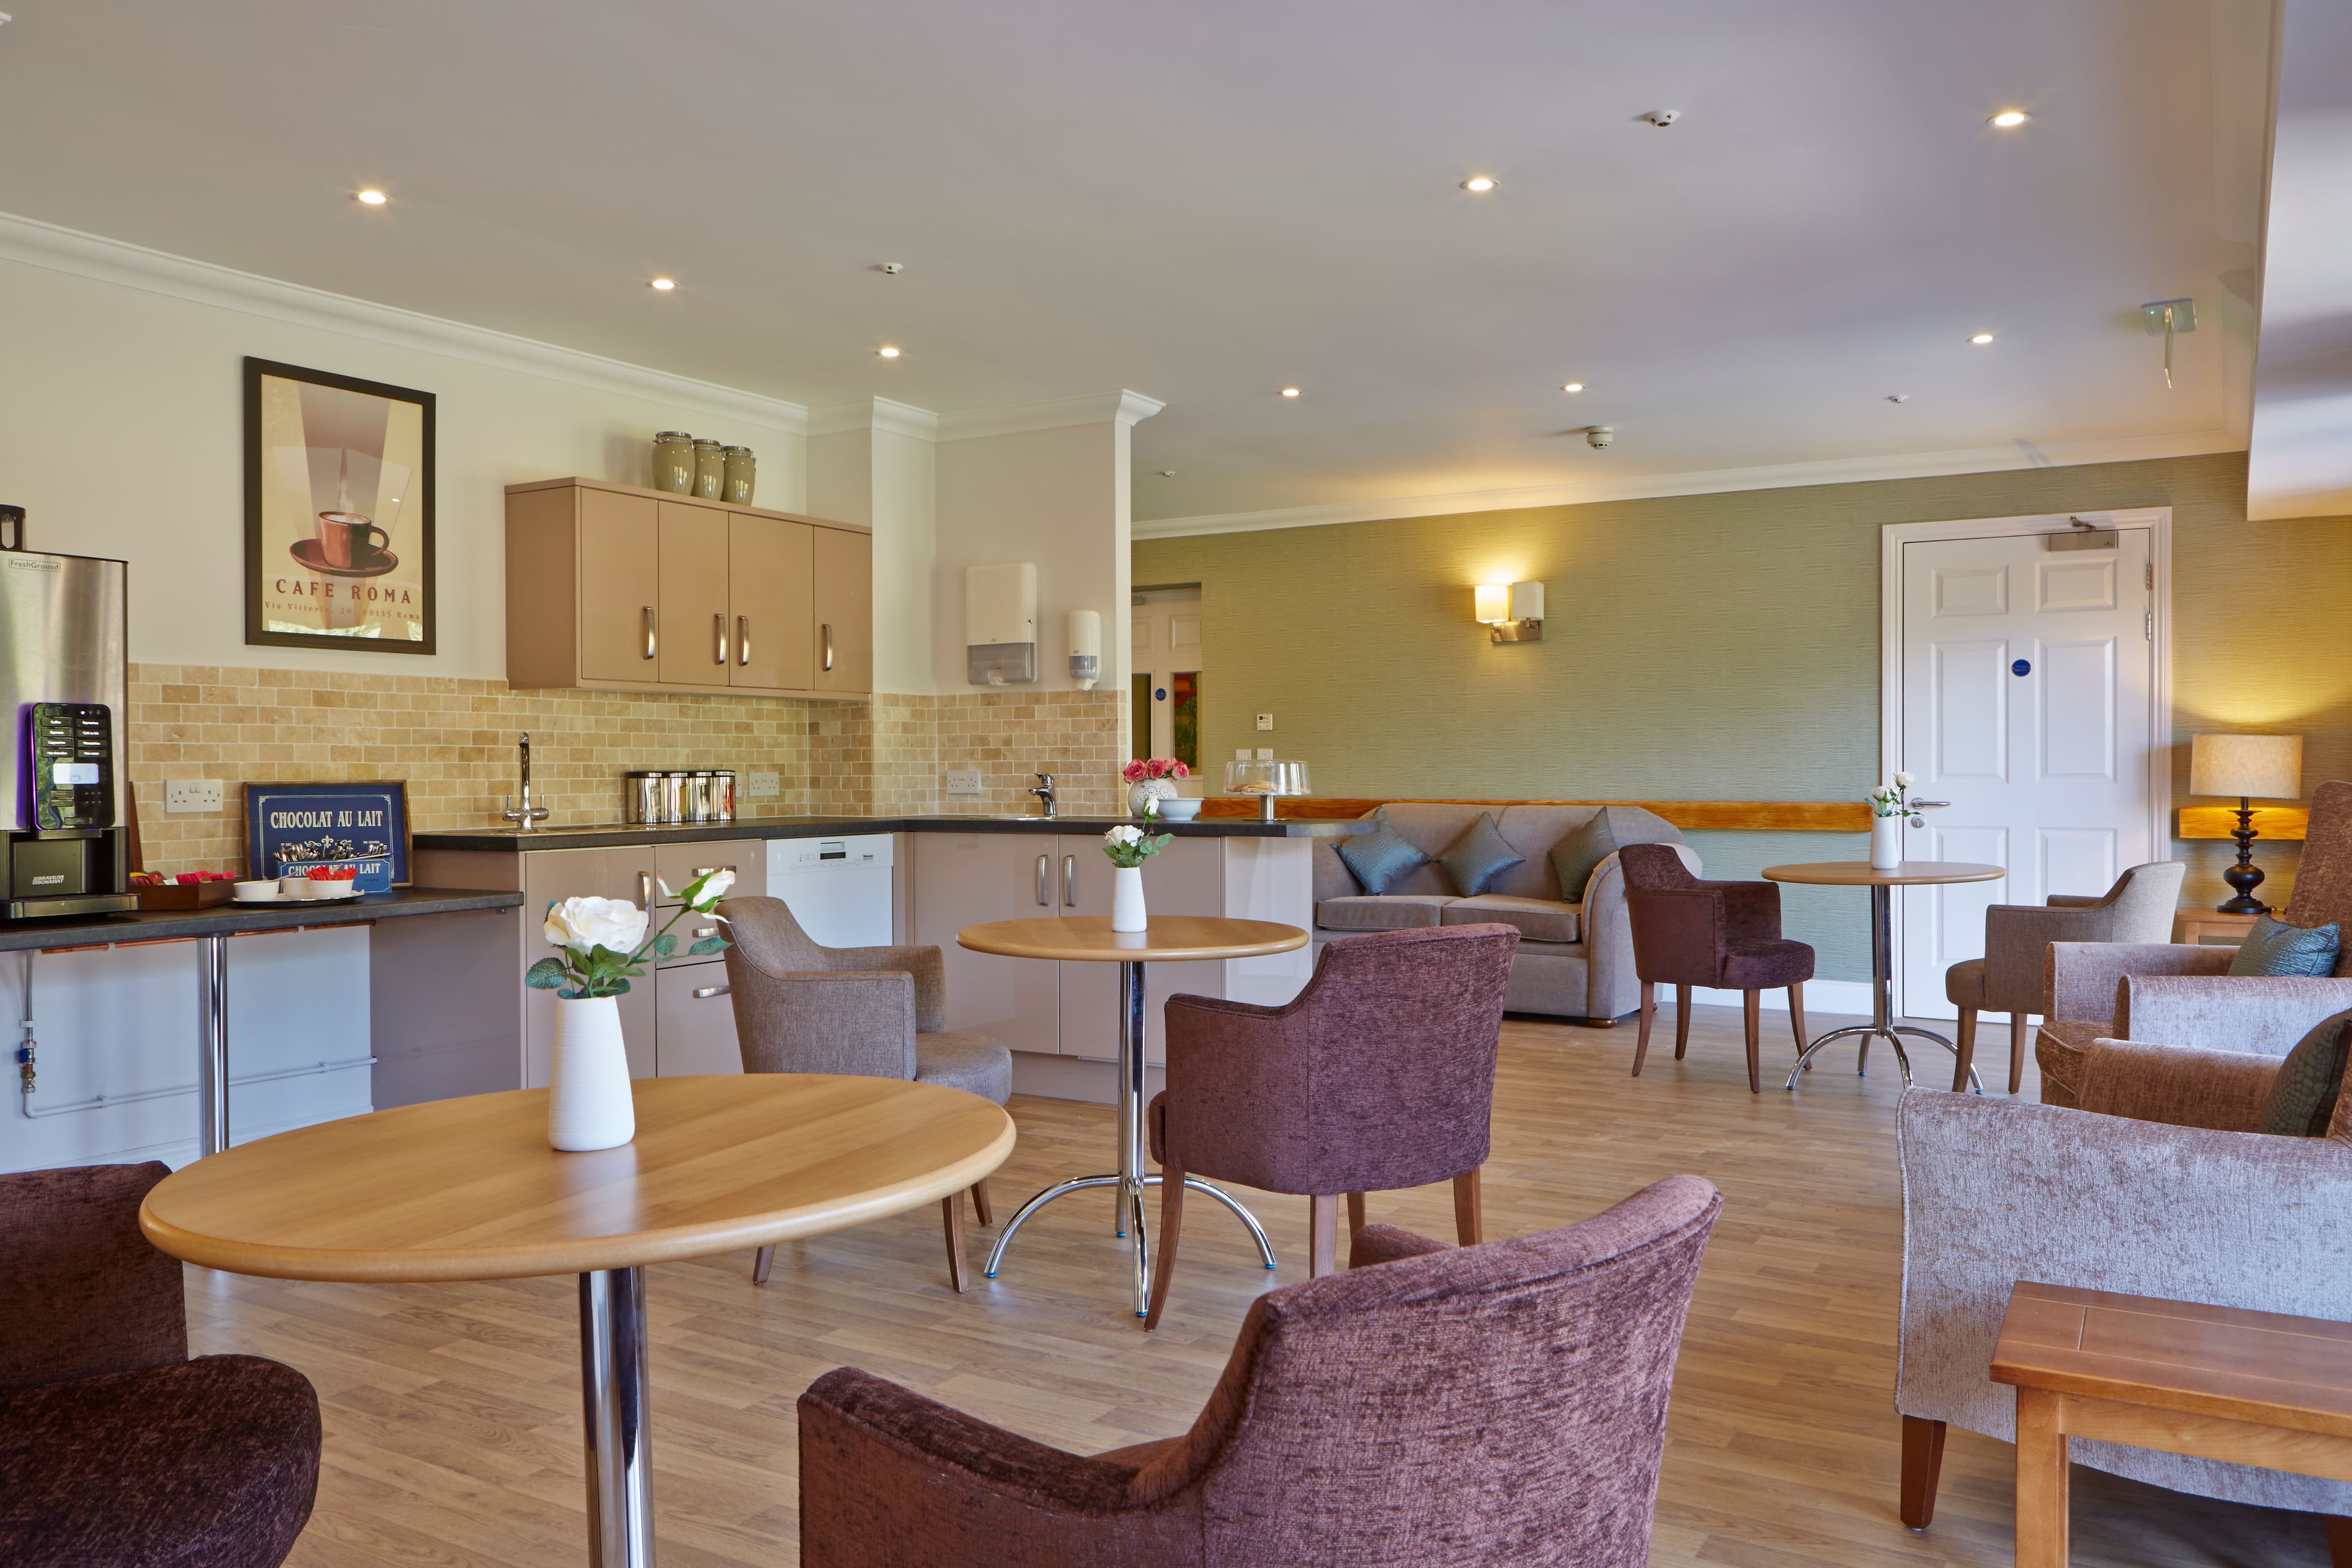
pixel 1574 960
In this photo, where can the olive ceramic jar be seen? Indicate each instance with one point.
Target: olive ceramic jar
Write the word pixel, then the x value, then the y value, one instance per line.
pixel 709 468
pixel 674 462
pixel 741 473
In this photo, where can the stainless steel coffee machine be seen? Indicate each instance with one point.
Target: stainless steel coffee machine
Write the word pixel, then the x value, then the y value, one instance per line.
pixel 64 681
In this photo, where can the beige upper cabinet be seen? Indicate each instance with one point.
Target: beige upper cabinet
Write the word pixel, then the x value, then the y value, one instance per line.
pixel 623 588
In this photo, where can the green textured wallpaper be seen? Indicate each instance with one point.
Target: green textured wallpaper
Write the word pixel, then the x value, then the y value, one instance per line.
pixel 1716 647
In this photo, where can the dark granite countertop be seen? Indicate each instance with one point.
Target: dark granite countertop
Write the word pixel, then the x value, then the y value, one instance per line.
pixel 618 835
pixel 230 919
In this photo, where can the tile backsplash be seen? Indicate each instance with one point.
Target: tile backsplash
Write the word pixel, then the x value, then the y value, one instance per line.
pixel 454 742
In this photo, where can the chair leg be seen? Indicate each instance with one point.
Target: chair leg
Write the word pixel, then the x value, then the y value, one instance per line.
pixel 980 1201
pixel 761 1264
pixel 1682 1021
pixel 1922 1460
pixel 951 1210
pixel 1797 1015
pixel 2339 1540
pixel 1322 1235
pixel 1967 1056
pixel 1751 1004
pixel 1355 1216
pixel 1469 1211
pixel 1171 1225
pixel 1649 1011
pixel 2018 1036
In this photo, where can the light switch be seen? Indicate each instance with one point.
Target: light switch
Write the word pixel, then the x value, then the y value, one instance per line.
pixel 963 781
pixel 1265 720
pixel 192 794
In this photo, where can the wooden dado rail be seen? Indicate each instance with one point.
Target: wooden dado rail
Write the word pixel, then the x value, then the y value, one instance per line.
pixel 1765 815
pixel 2221 821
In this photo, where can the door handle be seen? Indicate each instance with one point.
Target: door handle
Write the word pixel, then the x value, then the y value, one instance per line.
pixel 828 645
pixel 1041 900
pixel 645 890
pixel 702 991
pixel 1070 881
pixel 718 639
pixel 742 639
pixel 650 642
pixel 1930 804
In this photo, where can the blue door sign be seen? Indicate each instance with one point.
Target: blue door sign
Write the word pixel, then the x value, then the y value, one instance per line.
pixel 2020 667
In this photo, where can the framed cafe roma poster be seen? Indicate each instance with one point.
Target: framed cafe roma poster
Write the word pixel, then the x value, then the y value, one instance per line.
pixel 338 511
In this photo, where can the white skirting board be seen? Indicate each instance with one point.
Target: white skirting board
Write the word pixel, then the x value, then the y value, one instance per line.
pixel 1083 1078
pixel 1839 996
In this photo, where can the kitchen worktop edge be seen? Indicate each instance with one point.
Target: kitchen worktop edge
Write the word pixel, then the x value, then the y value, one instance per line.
pixel 623 835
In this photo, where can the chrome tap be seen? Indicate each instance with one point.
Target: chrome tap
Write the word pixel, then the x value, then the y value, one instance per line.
pixel 1043 790
pixel 527 815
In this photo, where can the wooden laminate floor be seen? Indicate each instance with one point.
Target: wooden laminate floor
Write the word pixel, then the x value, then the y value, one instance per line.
pixel 453 1411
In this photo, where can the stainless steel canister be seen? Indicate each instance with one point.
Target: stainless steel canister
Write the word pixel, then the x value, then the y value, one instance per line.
pixel 698 797
pixel 641 796
pixel 722 795
pixel 673 797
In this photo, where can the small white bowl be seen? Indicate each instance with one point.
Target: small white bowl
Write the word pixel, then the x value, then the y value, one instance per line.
pixel 256 892
pixel 296 887
pixel 1180 808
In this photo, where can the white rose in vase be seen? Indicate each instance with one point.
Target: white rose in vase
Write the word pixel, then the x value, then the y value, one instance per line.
pixel 581 925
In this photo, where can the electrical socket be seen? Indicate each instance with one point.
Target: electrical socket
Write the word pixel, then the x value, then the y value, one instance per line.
pixel 1265 720
pixel 192 794
pixel 963 781
pixel 765 786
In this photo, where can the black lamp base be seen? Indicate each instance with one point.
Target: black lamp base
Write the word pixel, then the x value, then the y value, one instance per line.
pixel 2245 875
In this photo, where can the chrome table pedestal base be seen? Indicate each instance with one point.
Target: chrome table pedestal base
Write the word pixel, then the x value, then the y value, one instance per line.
pixel 617 1396
pixel 1881 1004
pixel 1130 1179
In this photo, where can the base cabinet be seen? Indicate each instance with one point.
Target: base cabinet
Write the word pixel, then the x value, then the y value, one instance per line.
pixel 696 1020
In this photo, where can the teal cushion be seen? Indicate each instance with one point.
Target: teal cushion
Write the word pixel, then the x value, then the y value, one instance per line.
pixel 1575 857
pixel 1478 857
pixel 1379 857
pixel 2303 1096
pixel 2274 947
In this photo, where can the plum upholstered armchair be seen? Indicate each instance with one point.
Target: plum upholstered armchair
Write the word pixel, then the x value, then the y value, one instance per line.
pixel 1379 1074
pixel 2010 975
pixel 1690 932
pixel 1475 1408
pixel 875 1012
pixel 116 1450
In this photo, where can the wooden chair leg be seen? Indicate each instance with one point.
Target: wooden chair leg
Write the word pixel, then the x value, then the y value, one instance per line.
pixel 1797 1015
pixel 2339 1540
pixel 2018 1036
pixel 1682 1021
pixel 951 1210
pixel 1469 1211
pixel 1967 1052
pixel 1751 1004
pixel 1355 1216
pixel 1922 1460
pixel 761 1264
pixel 980 1201
pixel 1171 1226
pixel 1322 1235
pixel 1649 1011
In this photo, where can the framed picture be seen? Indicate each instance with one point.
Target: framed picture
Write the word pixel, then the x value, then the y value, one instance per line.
pixel 294 828
pixel 338 511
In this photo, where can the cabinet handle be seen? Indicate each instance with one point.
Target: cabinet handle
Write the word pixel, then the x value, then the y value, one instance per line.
pixel 706 870
pixel 828 650
pixel 706 930
pixel 645 890
pixel 702 991
pixel 1070 880
pixel 742 639
pixel 718 639
pixel 1041 881
pixel 650 642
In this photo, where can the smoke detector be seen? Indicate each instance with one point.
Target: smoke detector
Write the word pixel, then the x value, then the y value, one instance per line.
pixel 1598 436
pixel 1662 117
pixel 889 269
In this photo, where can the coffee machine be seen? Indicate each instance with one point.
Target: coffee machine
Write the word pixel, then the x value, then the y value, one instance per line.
pixel 64 682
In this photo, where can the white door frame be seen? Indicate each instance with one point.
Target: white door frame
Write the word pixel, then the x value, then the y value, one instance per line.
pixel 1893 536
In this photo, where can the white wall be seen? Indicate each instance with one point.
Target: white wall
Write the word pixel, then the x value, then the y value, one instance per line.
pixel 872 461
pixel 121 433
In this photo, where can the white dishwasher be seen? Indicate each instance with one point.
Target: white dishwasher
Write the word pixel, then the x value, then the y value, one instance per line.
pixel 838 889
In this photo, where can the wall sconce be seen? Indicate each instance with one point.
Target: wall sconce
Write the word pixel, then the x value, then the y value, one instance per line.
pixel 1514 612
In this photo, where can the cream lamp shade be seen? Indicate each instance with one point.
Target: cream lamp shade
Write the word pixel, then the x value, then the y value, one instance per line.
pixel 2251 767
pixel 1526 602
pixel 1494 603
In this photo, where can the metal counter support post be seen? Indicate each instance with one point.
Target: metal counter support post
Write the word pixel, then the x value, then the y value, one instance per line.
pixel 211 1022
pixel 616 1397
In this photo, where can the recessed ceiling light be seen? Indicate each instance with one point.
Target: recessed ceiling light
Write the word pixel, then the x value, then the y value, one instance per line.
pixel 371 196
pixel 1480 183
pixel 886 352
pixel 1981 338
pixel 2009 118
pixel 1572 386
pixel 1290 392
pixel 1167 473
pixel 664 284
pixel 1898 397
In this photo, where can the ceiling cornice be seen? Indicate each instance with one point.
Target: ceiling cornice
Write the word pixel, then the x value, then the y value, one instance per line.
pixel 1015 418
pixel 37 244
pixel 874 414
pixel 1776 476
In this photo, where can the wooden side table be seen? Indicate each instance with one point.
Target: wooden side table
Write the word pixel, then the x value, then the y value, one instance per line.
pixel 2194 927
pixel 2216 1383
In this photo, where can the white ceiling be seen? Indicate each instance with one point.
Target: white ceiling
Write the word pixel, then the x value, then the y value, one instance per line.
pixel 1206 200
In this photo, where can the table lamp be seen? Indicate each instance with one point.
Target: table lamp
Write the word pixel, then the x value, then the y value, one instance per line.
pixel 2251 767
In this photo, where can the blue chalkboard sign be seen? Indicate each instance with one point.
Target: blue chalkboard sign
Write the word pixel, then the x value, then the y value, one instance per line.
pixel 293 827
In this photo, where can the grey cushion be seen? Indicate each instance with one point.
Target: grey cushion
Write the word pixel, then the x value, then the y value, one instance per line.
pixel 1538 920
pixel 2274 947
pixel 1398 912
pixel 1379 857
pixel 957 1058
pixel 1478 857
pixel 2303 1091
pixel 1575 857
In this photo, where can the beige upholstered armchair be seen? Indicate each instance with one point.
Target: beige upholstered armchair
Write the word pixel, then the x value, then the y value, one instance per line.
pixel 2153 1188
pixel 2009 977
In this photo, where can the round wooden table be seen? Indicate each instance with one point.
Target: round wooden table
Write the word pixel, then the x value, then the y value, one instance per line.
pixel 468 1189
pixel 1881 885
pixel 1088 939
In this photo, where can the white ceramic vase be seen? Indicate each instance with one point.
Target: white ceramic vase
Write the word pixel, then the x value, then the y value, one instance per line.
pixel 1886 843
pixel 589 1105
pixel 1127 912
pixel 1148 789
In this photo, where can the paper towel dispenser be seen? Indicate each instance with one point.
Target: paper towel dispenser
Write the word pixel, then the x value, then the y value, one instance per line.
pixel 999 623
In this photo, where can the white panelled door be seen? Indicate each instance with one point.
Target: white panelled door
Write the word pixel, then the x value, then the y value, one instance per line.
pixel 2028 704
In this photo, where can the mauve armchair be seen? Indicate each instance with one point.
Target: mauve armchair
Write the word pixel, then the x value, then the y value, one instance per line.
pixel 1438 1408
pixel 1379 1074
pixel 875 1012
pixel 116 1450
pixel 1690 932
